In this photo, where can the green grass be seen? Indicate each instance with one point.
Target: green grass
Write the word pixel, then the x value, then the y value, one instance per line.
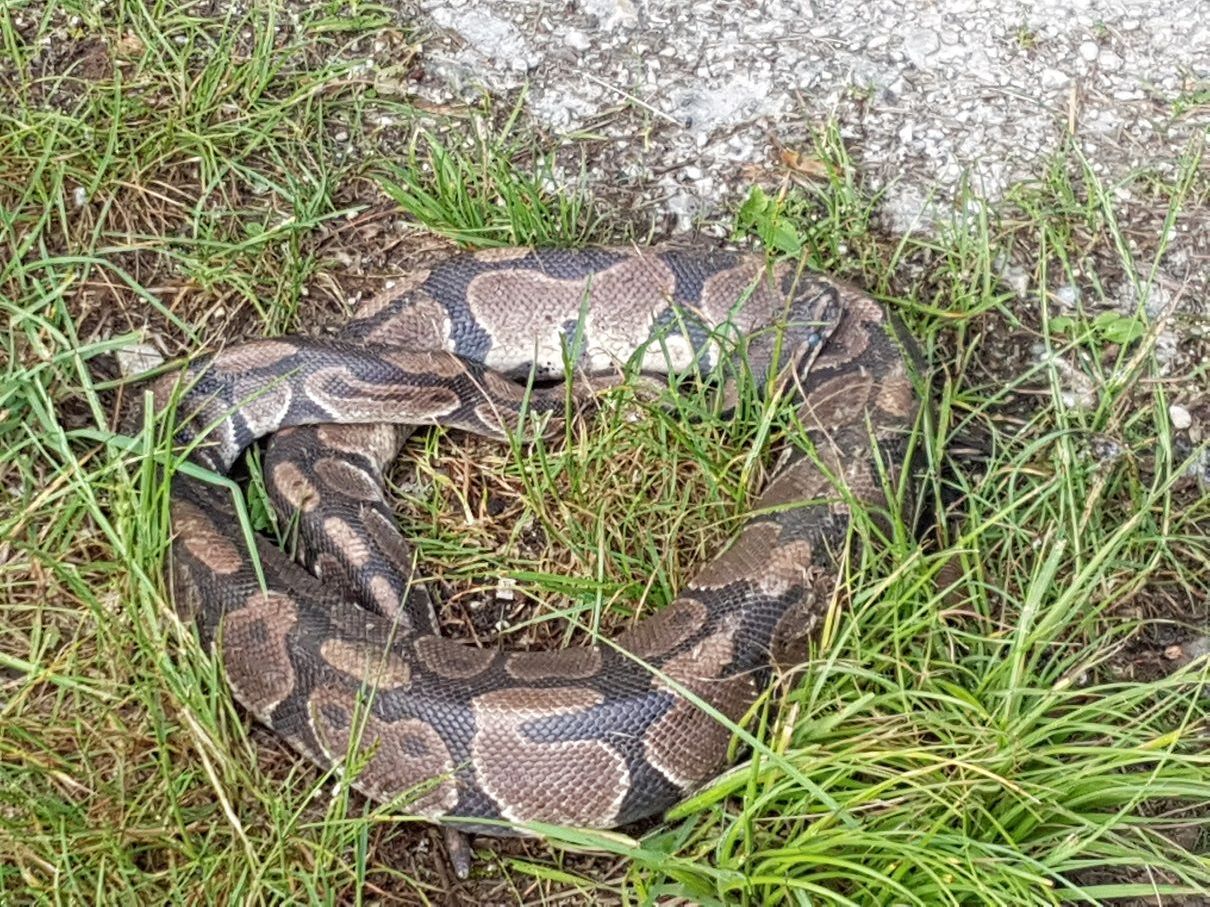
pixel 474 192
pixel 989 718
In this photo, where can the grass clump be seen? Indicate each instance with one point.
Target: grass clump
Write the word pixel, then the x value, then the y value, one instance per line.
pixel 495 189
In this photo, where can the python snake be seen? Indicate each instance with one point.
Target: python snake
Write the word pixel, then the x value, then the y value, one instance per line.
pixel 343 659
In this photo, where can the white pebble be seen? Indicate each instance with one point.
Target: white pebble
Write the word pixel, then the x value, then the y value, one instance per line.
pixel 138 358
pixel 1053 78
pixel 577 40
pixel 1067 296
pixel 1180 417
pixel 920 44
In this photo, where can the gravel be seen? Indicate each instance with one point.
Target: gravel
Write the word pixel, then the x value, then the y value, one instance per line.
pixel 927 93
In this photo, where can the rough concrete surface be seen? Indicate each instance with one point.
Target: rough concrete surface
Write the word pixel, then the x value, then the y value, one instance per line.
pixel 929 92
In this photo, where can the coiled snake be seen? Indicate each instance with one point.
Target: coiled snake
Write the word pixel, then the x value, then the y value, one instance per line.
pixel 344 661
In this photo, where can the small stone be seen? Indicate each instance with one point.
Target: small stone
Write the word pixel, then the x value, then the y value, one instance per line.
pixel 919 44
pixel 137 358
pixel 1180 417
pixel 1016 278
pixel 1067 296
pixel 577 40
pixel 1053 78
pixel 1089 51
pixel 684 207
pixel 612 13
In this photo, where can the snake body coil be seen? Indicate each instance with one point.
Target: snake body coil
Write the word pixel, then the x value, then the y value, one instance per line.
pixel 343 660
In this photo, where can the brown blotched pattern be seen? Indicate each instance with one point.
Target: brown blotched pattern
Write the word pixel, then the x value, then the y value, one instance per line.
pixel 259 356
pixel 336 391
pixel 584 780
pixel 452 660
pixel 739 292
pixel 759 557
pixel 265 408
pixel 348 540
pixel 502 254
pixel 388 540
pixel 345 478
pixel 256 653
pixel 361 440
pixel 385 596
pixel 687 745
pixel 427 326
pixel 368 666
pixel 537 329
pixel 402 289
pixel 570 664
pixel 427 364
pixel 405 755
pixel 204 541
pixel 663 631
pixel 295 487
pixel 586 736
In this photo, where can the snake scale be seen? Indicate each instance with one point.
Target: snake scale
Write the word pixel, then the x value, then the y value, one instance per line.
pixel 342 658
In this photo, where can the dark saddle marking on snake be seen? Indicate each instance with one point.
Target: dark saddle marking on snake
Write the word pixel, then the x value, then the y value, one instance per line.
pixel 342 658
